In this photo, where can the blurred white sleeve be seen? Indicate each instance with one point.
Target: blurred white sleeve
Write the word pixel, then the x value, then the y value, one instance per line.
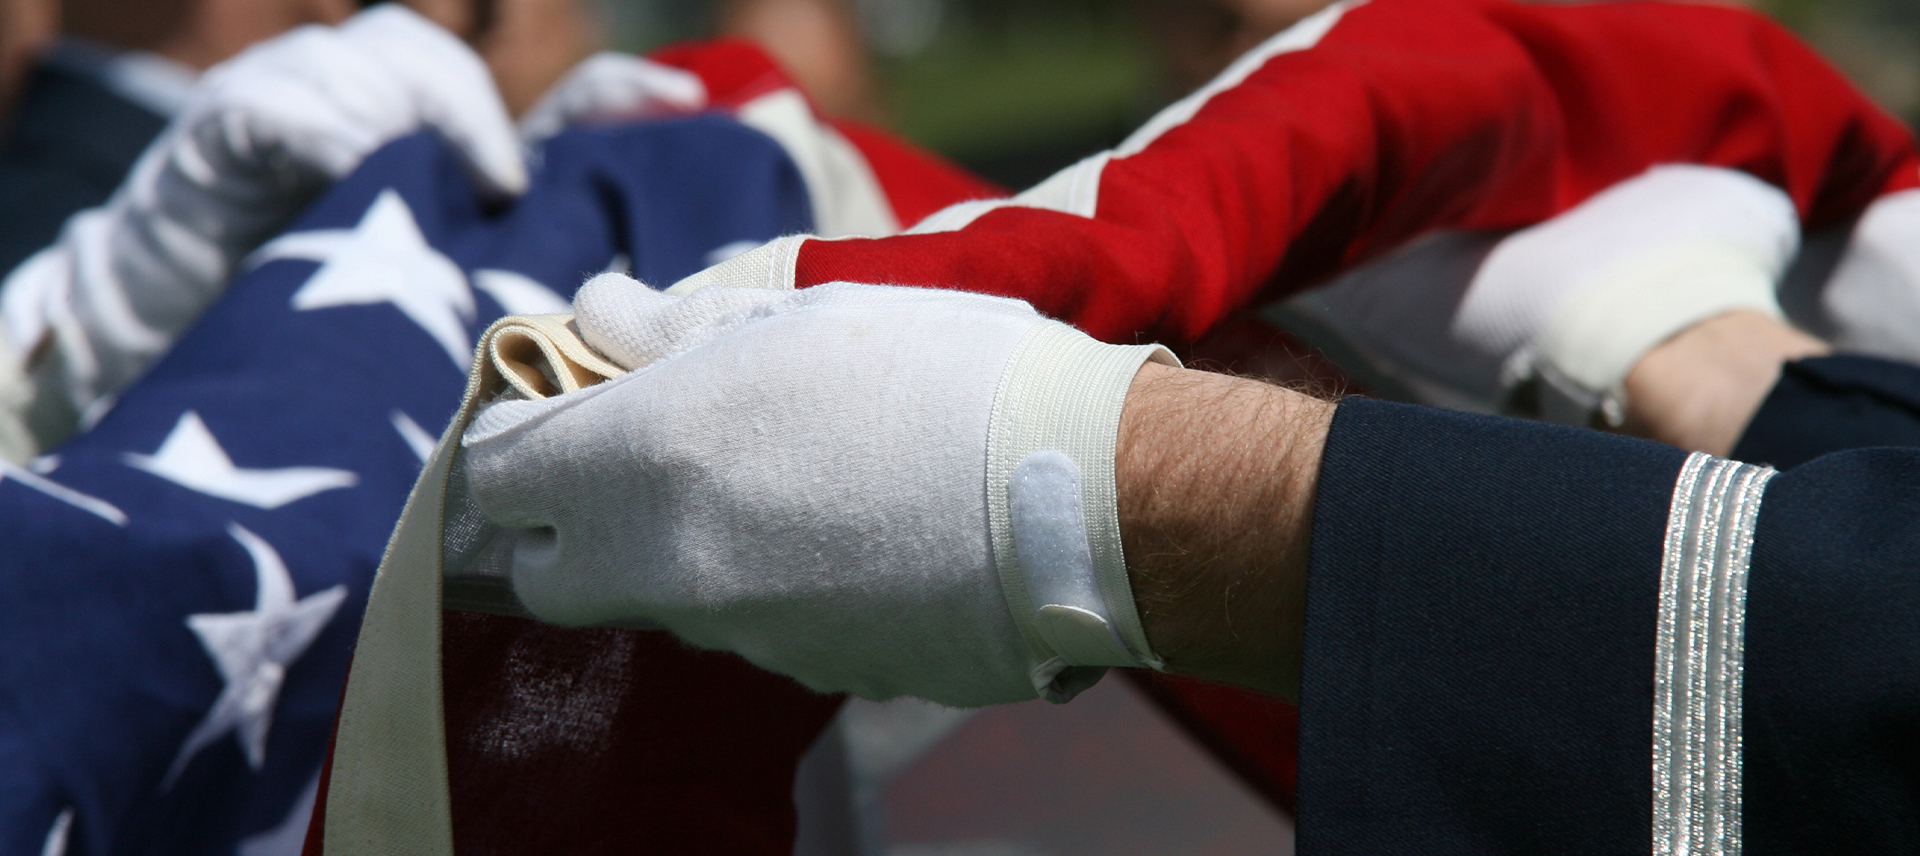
pixel 609 87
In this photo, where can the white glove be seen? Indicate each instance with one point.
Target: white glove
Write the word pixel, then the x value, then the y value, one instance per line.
pixel 1564 308
pixel 872 489
pixel 1871 303
pixel 262 135
pixel 612 86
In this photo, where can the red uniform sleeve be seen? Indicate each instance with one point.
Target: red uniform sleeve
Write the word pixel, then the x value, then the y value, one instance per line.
pixel 1403 116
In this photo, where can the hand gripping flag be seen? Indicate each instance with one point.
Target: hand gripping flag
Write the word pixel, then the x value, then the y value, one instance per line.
pixel 590 741
pixel 184 580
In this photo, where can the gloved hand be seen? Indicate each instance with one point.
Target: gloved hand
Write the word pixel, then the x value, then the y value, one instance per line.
pixel 1871 302
pixel 611 86
pixel 1560 312
pixel 872 489
pixel 263 134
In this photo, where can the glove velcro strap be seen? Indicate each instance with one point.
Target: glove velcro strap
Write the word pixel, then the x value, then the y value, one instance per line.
pixel 1053 510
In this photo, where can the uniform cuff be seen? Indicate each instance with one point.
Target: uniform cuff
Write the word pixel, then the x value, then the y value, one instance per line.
pixel 1482 609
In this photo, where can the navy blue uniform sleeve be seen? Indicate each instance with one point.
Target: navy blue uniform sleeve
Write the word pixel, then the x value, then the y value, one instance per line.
pixel 1830 404
pixel 1499 613
pixel 1832 610
pixel 1832 738
pixel 1480 634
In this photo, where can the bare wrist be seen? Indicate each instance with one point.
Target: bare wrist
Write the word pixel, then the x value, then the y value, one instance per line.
pixel 1699 389
pixel 1215 477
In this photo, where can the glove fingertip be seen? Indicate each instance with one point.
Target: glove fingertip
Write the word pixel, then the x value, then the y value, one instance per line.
pixel 486 139
pixel 479 126
pixel 502 174
pixel 452 90
pixel 609 288
pixel 610 303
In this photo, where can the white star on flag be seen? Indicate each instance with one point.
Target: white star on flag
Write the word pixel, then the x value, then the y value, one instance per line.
pixel 93 505
pixel 415 436
pixel 56 843
pixel 383 259
pixel 252 651
pixel 520 294
pixel 290 836
pixel 192 458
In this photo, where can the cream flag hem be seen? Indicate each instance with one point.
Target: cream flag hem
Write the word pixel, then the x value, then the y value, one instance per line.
pixel 387 792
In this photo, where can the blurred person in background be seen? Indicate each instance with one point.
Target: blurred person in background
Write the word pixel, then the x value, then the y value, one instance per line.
pixel 251 141
pixel 103 89
pixel 119 70
pixel 818 42
pixel 25 25
pixel 1200 39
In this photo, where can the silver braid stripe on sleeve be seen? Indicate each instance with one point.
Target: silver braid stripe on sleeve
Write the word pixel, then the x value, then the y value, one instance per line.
pixel 1698 657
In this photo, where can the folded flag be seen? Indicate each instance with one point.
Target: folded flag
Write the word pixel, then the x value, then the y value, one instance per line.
pixel 182 583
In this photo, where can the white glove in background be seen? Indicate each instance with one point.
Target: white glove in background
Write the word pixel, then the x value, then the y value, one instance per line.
pixel 1565 307
pixel 872 489
pixel 612 86
pixel 1871 302
pixel 264 133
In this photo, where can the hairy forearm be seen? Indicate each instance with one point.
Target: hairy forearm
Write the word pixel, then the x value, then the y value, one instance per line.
pixel 1216 478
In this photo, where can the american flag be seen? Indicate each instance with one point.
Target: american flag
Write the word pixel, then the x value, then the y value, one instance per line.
pixel 180 586
pixel 182 583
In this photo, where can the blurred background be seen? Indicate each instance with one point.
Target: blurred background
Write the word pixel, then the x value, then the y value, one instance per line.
pixel 1015 89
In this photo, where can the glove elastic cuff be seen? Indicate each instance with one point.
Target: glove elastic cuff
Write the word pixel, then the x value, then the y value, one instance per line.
pixel 1052 506
pixel 768 266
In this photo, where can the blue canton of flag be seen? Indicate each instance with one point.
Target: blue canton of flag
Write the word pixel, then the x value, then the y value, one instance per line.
pixel 179 587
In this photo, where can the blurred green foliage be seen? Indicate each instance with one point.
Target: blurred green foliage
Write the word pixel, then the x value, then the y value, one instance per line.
pixel 1019 90
pixel 1876 43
